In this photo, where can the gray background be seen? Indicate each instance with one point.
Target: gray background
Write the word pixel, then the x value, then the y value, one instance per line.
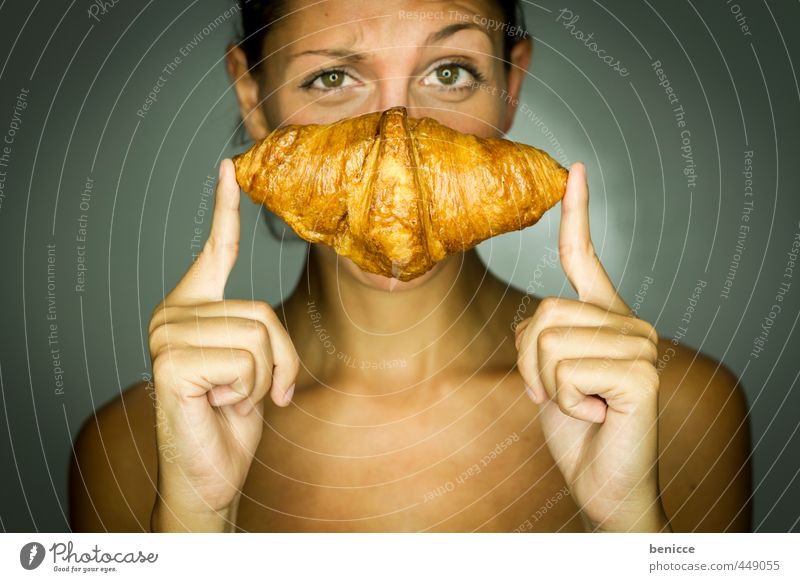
pixel 86 80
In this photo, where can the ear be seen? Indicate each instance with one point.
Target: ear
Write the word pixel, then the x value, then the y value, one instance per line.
pixel 247 92
pixel 520 59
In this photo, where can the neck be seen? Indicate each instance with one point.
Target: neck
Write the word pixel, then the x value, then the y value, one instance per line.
pixel 346 330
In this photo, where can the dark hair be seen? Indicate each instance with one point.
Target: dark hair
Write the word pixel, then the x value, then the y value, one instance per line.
pixel 259 16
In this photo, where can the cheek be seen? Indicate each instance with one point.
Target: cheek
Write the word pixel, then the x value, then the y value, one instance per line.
pixel 287 108
pixel 480 119
pixel 482 114
pixel 274 111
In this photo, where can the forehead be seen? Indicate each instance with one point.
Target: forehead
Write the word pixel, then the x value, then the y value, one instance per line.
pixel 364 24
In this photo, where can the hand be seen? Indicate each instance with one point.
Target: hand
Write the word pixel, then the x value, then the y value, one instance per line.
pixel 214 361
pixel 590 365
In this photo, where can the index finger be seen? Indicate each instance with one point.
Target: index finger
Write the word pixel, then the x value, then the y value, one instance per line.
pixel 206 278
pixel 578 258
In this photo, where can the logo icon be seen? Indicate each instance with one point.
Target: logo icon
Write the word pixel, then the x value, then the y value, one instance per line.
pixel 31 555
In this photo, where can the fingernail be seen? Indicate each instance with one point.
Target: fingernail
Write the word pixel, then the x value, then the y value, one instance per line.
pixel 220 170
pixel 289 393
pixel 532 394
pixel 244 407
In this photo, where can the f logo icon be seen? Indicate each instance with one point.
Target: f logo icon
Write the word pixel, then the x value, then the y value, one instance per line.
pixel 31 555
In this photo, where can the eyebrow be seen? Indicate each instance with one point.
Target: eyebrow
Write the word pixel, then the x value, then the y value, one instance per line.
pixel 451 29
pixel 342 54
pixel 434 37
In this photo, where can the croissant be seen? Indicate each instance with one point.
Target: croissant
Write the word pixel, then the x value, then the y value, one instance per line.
pixel 397 195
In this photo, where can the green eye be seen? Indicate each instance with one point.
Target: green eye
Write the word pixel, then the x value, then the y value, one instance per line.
pixel 332 79
pixel 448 74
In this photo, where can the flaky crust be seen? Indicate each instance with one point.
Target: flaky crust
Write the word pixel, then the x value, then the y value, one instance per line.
pixel 396 195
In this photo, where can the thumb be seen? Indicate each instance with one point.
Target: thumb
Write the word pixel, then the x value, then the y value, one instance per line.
pixel 206 278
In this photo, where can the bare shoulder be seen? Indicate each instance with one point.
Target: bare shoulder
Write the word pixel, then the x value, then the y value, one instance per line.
pixel 704 442
pixel 113 470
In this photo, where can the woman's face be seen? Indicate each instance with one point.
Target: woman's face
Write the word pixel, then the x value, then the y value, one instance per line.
pixel 341 58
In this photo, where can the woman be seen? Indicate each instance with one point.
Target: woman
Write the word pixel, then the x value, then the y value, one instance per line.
pixel 366 404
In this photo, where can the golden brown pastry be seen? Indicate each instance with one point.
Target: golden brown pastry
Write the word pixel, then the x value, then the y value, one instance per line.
pixel 395 194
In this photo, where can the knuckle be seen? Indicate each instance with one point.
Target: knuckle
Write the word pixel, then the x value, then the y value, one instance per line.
pixel 563 371
pixel 651 333
pixel 525 338
pixel 156 339
pixel 158 317
pixel 260 335
pixel 244 360
pixel 227 305
pixel 564 403
pixel 654 335
pixel 647 375
pixel 550 338
pixel 161 305
pixel 263 311
pixel 648 350
pixel 163 315
pixel 548 307
pixel 164 369
pixel 269 379
pixel 226 246
pixel 520 328
pixel 570 249
pixel 241 365
pixel 191 312
pixel 159 367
